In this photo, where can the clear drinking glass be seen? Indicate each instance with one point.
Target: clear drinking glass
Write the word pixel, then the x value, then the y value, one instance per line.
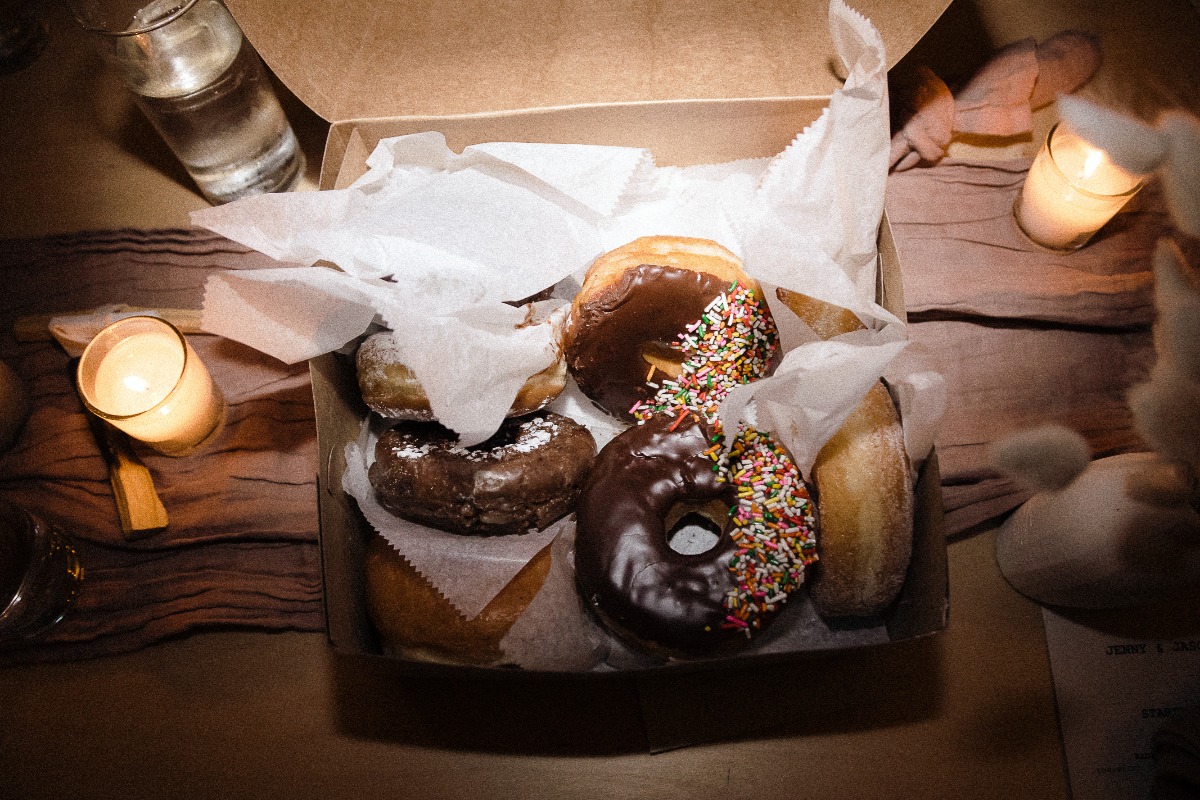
pixel 203 87
pixel 40 574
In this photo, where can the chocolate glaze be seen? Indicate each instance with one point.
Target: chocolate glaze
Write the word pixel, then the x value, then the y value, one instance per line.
pixel 623 564
pixel 526 476
pixel 649 304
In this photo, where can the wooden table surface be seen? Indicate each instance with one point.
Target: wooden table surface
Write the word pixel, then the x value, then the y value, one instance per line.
pixel 966 713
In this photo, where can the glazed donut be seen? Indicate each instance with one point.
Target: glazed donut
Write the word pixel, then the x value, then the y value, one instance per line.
pixel 864 489
pixel 525 476
pixel 390 389
pixel 636 313
pixel 414 620
pixel 668 603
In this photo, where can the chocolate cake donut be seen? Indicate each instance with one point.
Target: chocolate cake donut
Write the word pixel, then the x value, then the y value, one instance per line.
pixel 525 476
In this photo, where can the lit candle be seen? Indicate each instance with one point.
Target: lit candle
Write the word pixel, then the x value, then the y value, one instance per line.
pixel 1071 191
pixel 141 375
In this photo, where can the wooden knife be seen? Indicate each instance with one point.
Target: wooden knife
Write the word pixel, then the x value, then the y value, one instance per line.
pixel 138 505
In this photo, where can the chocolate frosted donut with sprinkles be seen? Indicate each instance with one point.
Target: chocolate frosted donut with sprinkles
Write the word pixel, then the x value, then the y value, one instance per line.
pixel 629 323
pixel 527 475
pixel 673 604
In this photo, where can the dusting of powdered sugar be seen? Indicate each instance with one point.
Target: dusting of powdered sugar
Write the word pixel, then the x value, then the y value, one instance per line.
pixel 534 434
pixel 531 435
pixel 385 346
pixel 409 449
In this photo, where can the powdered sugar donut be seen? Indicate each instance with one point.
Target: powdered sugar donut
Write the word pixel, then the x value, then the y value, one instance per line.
pixel 390 389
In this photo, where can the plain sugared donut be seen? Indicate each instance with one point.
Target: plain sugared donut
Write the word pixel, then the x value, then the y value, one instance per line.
pixel 666 602
pixel 525 476
pixel 638 301
pixel 864 491
pixel 390 389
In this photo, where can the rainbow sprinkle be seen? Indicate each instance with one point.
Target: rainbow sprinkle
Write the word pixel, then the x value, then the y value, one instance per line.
pixel 773 527
pixel 732 343
pixel 772 522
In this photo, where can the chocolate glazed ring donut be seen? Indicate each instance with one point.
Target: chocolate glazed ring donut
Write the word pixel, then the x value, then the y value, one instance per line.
pixel 667 602
pixel 638 302
pixel 640 588
pixel 648 307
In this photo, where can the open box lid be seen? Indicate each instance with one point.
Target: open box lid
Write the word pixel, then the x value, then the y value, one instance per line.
pixel 360 60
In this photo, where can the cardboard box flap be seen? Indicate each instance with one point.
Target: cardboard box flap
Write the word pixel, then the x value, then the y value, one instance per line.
pixel 733 129
pixel 356 60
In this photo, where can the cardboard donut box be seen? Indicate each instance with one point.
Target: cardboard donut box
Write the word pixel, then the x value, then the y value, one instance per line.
pixel 677 132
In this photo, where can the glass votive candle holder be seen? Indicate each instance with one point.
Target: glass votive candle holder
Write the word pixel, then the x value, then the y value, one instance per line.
pixel 40 574
pixel 141 375
pixel 1072 190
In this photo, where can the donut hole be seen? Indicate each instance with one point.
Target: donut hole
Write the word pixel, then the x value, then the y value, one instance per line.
pixel 662 357
pixel 695 528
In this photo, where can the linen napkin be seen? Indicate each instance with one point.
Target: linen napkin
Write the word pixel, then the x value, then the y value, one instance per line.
pixel 241 548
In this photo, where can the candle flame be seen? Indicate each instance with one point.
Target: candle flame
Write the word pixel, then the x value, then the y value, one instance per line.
pixel 1091 163
pixel 136 383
